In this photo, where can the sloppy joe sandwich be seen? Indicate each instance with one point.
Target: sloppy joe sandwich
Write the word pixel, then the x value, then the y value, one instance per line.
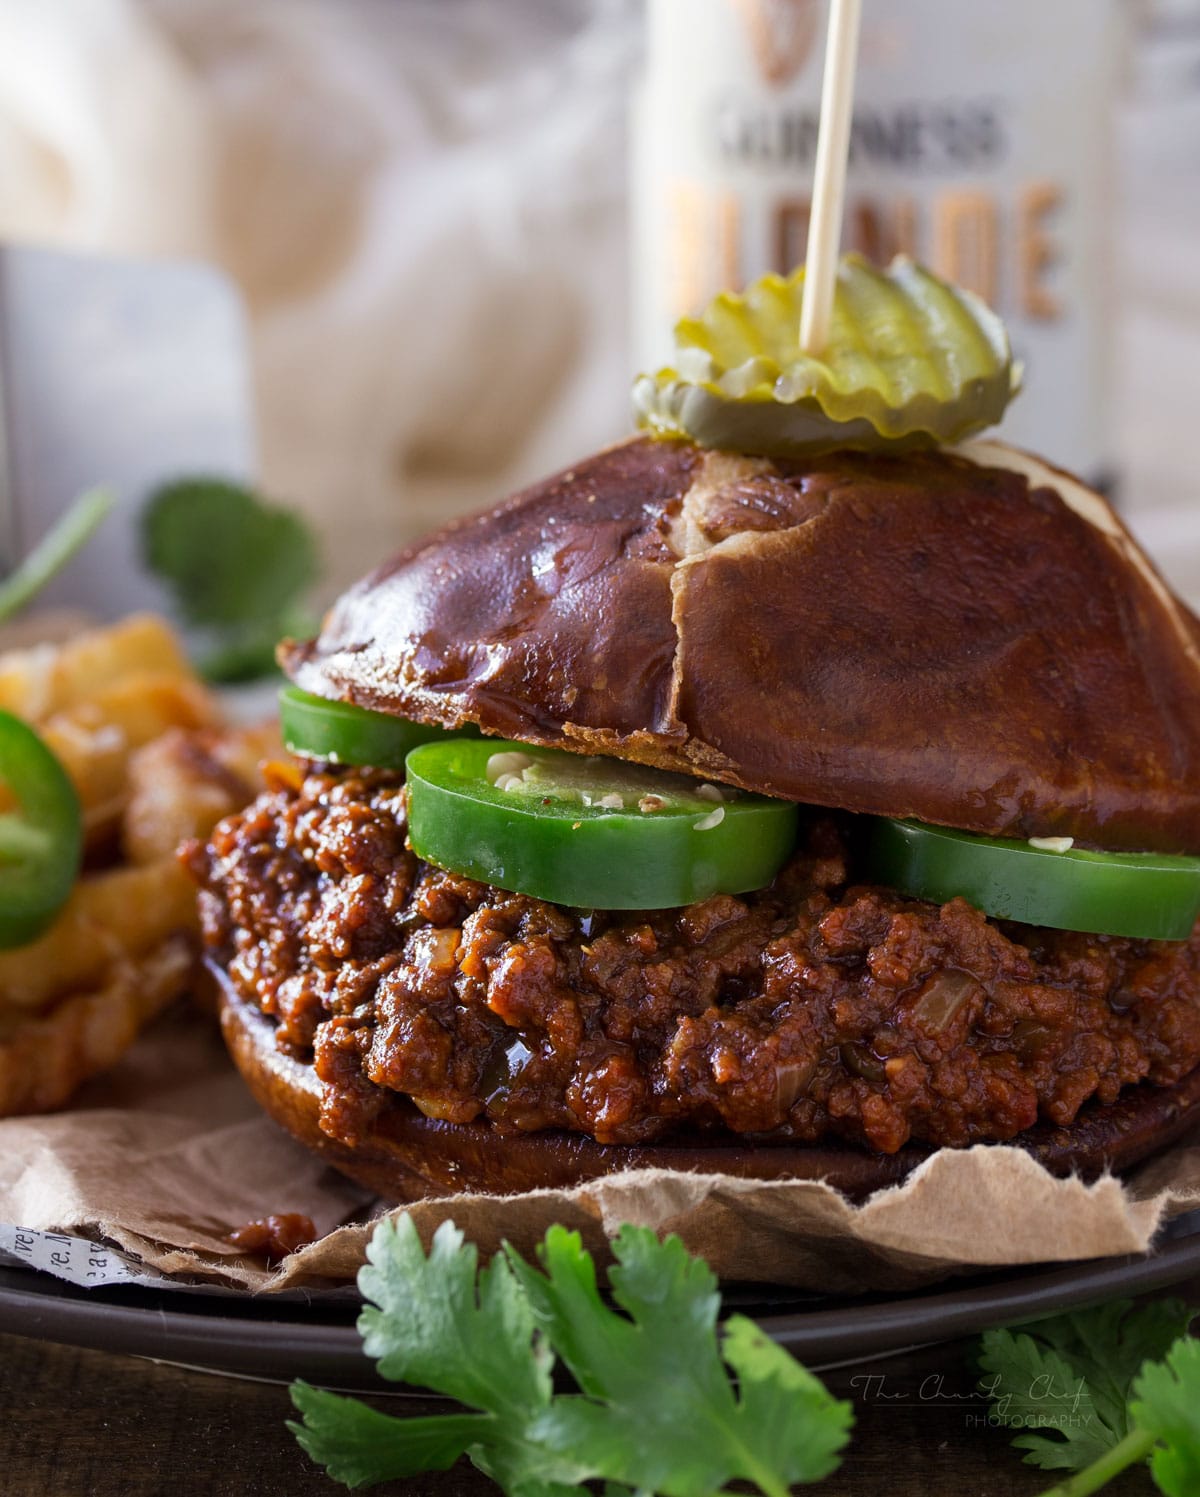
pixel 786 811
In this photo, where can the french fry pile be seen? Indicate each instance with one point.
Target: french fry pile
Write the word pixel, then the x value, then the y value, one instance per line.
pixel 143 742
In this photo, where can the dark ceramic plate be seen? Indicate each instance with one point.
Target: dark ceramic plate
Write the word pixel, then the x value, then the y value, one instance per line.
pixel 279 1339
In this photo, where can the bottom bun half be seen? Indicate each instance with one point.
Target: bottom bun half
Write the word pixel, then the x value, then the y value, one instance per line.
pixel 407 1156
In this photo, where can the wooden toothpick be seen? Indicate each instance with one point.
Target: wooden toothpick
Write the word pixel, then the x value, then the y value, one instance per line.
pixel 829 182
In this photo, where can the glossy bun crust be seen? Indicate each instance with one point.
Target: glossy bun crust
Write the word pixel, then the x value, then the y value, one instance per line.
pixel 406 1156
pixel 970 640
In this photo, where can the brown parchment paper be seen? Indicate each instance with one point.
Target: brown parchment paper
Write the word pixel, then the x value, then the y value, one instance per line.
pixel 168 1154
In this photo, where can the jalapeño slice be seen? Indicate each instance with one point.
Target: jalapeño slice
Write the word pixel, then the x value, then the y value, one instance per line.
pixel 592 833
pixel 1153 896
pixel 341 733
pixel 41 838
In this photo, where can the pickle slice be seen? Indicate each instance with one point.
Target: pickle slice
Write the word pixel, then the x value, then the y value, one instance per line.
pixel 911 361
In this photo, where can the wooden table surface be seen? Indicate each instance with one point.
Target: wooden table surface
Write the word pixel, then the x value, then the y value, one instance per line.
pixel 88 1424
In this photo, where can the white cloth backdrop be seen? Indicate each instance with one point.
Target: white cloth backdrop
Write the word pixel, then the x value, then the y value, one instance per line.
pixel 423 202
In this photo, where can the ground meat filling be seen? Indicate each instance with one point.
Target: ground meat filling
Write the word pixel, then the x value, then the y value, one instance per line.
pixel 815 1008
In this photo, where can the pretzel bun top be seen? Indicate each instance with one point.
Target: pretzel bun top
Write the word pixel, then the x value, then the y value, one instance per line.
pixel 969 637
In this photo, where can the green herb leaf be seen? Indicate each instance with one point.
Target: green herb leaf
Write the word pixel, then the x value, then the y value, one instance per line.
pixel 795 1424
pixel 1095 1377
pixel 1035 1387
pixel 1072 1374
pixel 440 1323
pixel 1109 1343
pixel 237 567
pixel 248 653
pixel 658 1413
pixel 661 1414
pixel 231 558
pixel 1166 1403
pixel 56 548
pixel 359 1446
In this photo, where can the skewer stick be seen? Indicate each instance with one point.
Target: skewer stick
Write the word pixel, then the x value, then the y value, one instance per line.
pixel 829 182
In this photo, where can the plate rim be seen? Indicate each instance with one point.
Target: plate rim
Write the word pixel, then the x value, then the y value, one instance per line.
pixel 256 1336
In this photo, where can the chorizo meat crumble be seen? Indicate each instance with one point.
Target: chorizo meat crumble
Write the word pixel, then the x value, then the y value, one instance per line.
pixel 817 1007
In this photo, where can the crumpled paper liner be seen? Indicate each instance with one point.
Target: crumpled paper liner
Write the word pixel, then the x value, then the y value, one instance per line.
pixel 168 1154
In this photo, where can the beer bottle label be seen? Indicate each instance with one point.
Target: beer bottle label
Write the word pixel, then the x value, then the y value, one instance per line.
pixel 981 145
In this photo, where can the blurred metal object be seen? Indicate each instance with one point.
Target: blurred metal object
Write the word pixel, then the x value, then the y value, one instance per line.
pixel 122 372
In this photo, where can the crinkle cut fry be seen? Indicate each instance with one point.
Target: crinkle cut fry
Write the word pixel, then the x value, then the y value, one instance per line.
pixel 141 737
pixel 43 1059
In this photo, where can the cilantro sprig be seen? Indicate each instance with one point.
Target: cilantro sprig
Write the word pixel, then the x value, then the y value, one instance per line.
pixel 1097 1391
pixel 663 1401
pixel 60 545
pixel 238 569
pixel 655 1411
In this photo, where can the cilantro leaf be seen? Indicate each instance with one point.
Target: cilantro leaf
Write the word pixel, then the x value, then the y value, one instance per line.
pixel 1098 1379
pixel 657 1414
pixel 1108 1344
pixel 359 1446
pixel 796 1424
pixel 1166 1403
pixel 1035 1387
pixel 441 1323
pixel 660 1413
pixel 238 569
pixel 249 654
pixel 1072 1374
pixel 438 1322
pixel 232 558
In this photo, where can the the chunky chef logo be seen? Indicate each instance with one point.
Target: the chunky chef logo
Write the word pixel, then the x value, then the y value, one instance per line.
pixel 782 33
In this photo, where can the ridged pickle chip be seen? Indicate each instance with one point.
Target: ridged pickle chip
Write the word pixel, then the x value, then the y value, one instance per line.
pixel 911 361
